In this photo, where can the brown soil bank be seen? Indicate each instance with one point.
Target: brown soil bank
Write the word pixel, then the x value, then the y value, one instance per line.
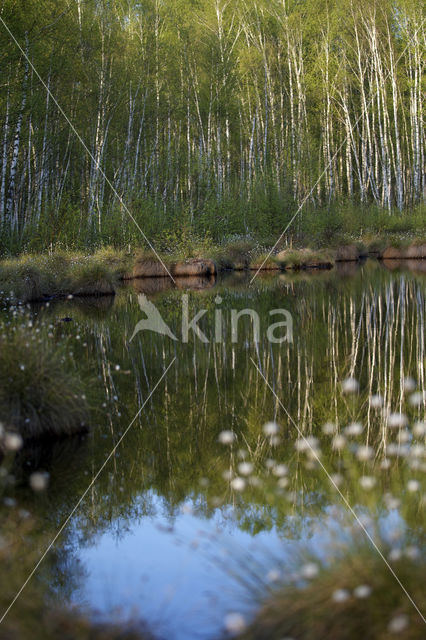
pixel 347 253
pixel 153 268
pixel 415 266
pixel 413 252
pixel 151 286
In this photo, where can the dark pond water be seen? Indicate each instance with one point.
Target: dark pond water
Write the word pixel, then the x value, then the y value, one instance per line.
pixel 181 529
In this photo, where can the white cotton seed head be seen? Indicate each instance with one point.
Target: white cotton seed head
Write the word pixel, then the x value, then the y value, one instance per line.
pixel 235 623
pixel 417 399
pixel 376 401
pixel 338 443
pixel 271 429
pixel 340 595
pixel 392 449
pixel 397 420
pixel 238 484
pixel 408 385
pixel 39 480
pixel 363 591
pixel 404 436
pixel 337 479
pixel 364 453
pixel 245 468
pixel 282 483
pixel 412 552
pixel 419 429
pixel 395 555
pixel 226 437
pixel 280 470
pixel 309 570
pixel 392 502
pixel 329 428
pixel 273 575
pixel 306 444
pixel 350 385
pixel 413 485
pixel 367 482
pixel 354 429
pixel 417 451
pixel 13 441
pixel 398 623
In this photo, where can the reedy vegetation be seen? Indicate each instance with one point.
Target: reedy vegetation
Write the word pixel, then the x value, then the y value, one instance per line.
pixel 41 393
pixel 219 115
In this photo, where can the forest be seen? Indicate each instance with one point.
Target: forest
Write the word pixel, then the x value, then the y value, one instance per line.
pixel 222 116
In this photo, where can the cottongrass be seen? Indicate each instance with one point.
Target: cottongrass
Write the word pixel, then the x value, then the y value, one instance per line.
pixel 353 596
pixel 238 484
pixel 350 385
pixel 417 399
pixel 364 453
pixel 398 624
pixel 226 437
pixel 235 623
pixel 339 442
pixel 367 482
pixel 413 485
pixel 397 420
pixel 419 429
pixel 408 385
pixel 329 428
pixel 245 468
pixel 340 595
pixel 376 401
pixel 354 429
pixel 271 429
pixel 39 481
pixel 362 591
pixel 350 596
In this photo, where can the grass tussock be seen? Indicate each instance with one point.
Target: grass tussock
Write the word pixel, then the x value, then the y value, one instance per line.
pixel 40 391
pixel 40 277
pixel 147 264
pixel 306 258
pixel 356 597
pixel 235 254
pixel 265 261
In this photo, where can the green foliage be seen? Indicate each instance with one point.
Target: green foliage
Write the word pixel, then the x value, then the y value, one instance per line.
pixel 229 129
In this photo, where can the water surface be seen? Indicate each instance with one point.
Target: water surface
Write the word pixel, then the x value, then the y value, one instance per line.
pixel 162 535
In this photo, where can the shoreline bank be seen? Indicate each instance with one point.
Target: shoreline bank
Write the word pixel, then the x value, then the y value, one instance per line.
pixel 33 278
